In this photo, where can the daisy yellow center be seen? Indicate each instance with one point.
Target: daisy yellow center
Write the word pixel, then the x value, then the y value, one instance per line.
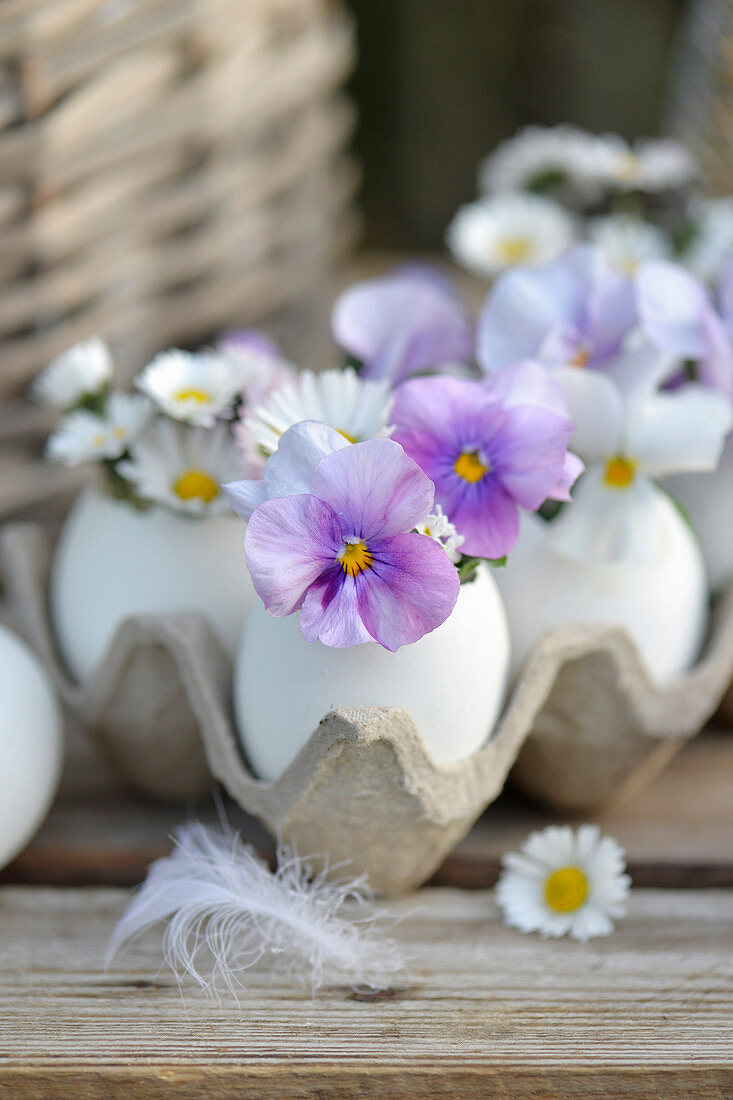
pixel 355 557
pixel 513 250
pixel 196 484
pixel 619 472
pixel 99 440
pixel 201 397
pixel 119 432
pixel 628 166
pixel 470 467
pixel 566 889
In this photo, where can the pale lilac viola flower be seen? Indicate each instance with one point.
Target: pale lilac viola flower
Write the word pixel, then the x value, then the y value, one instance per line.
pixel 289 471
pixel 576 311
pixel 410 322
pixel 489 451
pixel 346 554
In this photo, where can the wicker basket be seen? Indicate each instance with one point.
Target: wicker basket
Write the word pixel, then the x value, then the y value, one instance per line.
pixel 167 168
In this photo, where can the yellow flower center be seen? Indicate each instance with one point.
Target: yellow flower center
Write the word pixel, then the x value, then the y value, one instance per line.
pixel 581 357
pixel 566 889
pixel 470 467
pixel 513 250
pixel 355 558
pixel 619 472
pixel 99 439
pixel 196 484
pixel 628 167
pixel 351 438
pixel 201 397
pixel 119 432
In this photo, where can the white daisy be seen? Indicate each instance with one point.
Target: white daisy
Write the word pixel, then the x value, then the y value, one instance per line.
pixel 195 387
pixel 711 245
pixel 437 526
pixel 627 241
pixel 182 467
pixel 84 436
pixel 652 165
pixel 564 882
pixel 79 373
pixel 358 408
pixel 493 234
pixel 553 158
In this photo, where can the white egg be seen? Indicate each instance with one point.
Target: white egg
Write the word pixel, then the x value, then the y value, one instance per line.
pixel 452 682
pixel 662 603
pixel 708 499
pixel 31 745
pixel 113 561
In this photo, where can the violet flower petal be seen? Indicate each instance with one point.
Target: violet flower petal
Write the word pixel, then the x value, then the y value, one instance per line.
pixel 374 488
pixel 288 544
pixel 410 590
pixel 330 612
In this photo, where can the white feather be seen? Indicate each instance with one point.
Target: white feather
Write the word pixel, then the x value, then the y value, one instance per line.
pixel 226 911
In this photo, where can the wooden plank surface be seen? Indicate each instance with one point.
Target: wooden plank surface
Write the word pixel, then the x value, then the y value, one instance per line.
pixel 484 1011
pixel 679 833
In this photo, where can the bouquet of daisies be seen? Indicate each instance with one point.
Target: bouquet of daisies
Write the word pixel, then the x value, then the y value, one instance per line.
pixel 548 187
pixel 172 442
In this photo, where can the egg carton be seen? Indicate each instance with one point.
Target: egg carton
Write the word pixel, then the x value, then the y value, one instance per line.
pixel 584 727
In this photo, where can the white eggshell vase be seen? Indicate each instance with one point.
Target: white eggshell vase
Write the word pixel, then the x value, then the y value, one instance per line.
pixel 114 561
pixel 451 683
pixel 661 603
pixel 30 745
pixel 708 500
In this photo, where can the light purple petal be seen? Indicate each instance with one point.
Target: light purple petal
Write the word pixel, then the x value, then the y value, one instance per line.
pixel 715 370
pixel 529 383
pixel 248 340
pixel 453 410
pixel 374 488
pixel 410 590
pixel 245 496
pixel 551 312
pixel 572 469
pixel 288 544
pixel 524 305
pixel 289 471
pixel 672 305
pixel 403 324
pixel 330 612
pixel 485 514
pixel 529 453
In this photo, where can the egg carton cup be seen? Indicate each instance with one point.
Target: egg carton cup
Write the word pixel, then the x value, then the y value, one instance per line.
pixel 584 726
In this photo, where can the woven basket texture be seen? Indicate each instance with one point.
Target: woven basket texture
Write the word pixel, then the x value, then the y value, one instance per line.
pixel 168 168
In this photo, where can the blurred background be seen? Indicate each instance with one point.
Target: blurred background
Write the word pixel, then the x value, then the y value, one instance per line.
pixel 173 168
pixel 439 83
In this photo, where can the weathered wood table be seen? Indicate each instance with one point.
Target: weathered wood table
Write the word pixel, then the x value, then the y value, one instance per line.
pixel 485 1011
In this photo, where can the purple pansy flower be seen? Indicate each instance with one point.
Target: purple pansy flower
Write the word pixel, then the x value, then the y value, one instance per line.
pixel 289 471
pixel 488 449
pixel 575 311
pixel 407 323
pixel 346 555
